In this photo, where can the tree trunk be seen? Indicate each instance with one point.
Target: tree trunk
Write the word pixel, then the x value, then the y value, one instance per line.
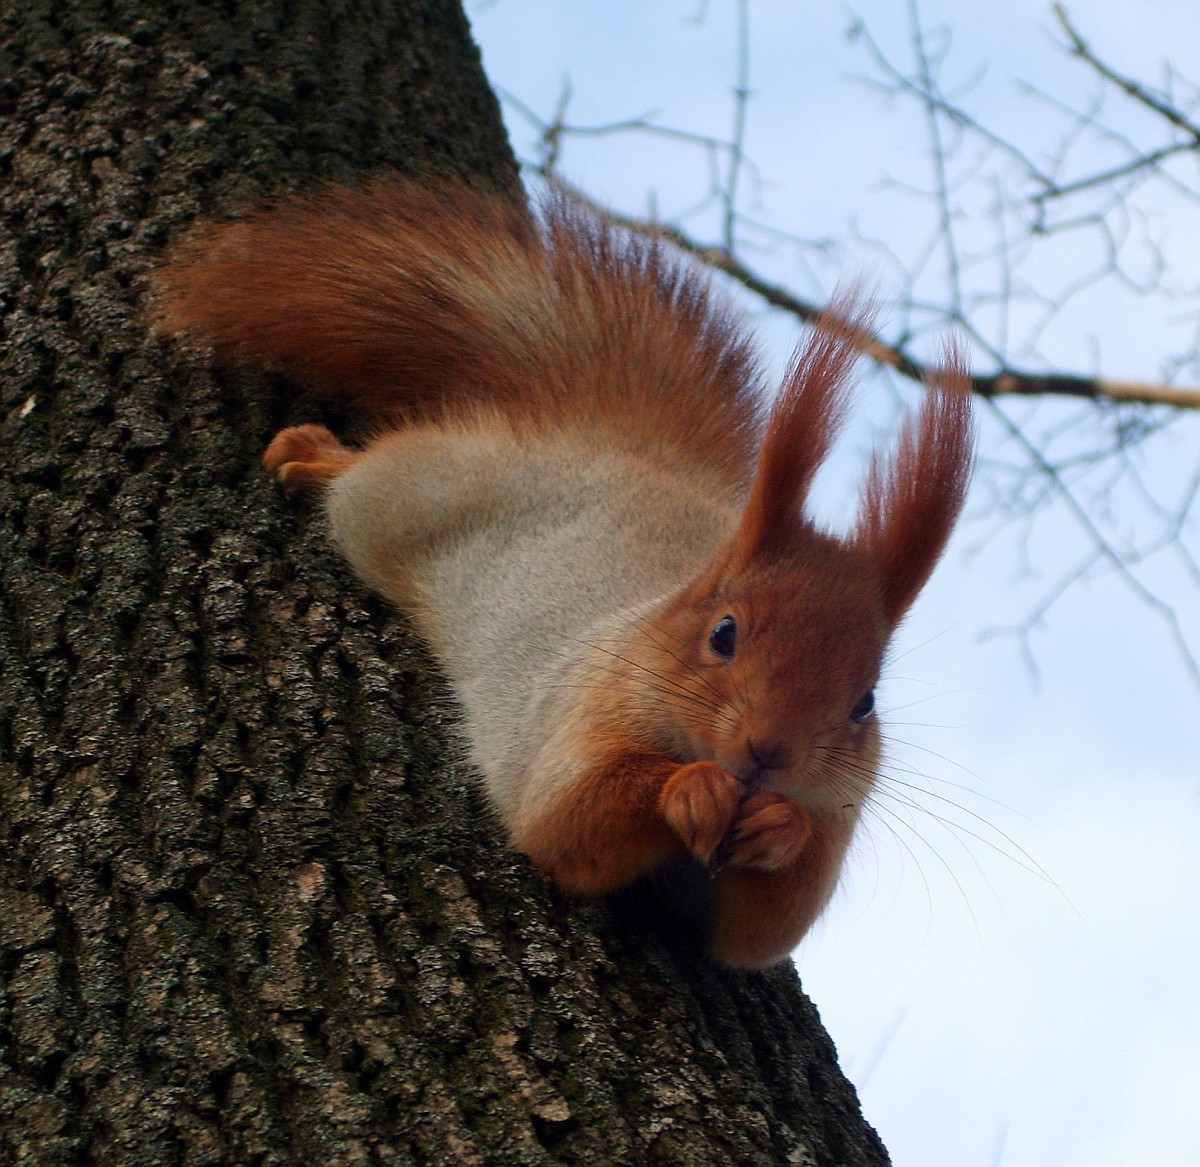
pixel 252 909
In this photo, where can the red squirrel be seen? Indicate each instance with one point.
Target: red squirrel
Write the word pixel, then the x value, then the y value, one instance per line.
pixel 577 494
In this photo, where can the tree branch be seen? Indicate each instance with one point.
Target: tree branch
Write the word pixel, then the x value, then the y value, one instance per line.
pixel 1005 382
pixel 1080 48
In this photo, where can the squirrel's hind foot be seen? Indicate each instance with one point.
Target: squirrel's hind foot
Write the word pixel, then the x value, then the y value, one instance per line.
pixel 307 455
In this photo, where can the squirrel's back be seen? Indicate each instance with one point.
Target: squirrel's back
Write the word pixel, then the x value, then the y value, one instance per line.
pixel 439 298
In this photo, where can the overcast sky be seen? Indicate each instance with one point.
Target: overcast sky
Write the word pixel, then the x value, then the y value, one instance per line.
pixel 1012 972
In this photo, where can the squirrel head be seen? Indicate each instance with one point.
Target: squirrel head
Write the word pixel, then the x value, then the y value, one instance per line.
pixel 767 663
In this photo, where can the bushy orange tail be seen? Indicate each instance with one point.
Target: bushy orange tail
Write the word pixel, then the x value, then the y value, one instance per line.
pixel 435 297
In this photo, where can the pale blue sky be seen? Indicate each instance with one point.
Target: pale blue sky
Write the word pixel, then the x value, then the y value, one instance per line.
pixel 993 1016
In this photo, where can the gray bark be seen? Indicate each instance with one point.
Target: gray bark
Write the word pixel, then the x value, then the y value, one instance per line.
pixel 252 909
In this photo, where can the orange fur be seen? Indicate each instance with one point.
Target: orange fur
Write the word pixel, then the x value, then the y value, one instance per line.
pixel 577 409
pixel 805 418
pixel 911 505
pixel 763 913
pixel 307 455
pixel 424 299
pixel 629 813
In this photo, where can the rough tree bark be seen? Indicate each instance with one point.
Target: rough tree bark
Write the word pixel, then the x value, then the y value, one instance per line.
pixel 251 908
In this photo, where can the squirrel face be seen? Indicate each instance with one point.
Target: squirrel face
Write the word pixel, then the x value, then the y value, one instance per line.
pixel 772 671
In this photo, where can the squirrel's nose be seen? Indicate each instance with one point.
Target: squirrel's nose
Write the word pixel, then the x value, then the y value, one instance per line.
pixel 753 759
pixel 768 755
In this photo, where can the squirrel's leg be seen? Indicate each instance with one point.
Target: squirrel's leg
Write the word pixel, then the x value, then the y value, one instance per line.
pixel 626 816
pixel 307 455
pixel 781 870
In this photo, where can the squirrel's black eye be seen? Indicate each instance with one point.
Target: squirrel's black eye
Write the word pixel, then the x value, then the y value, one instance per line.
pixel 865 706
pixel 723 638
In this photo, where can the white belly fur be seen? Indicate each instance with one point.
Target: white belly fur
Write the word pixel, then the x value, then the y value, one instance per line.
pixel 514 565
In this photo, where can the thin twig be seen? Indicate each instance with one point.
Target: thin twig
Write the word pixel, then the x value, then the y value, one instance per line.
pixel 1080 48
pixel 1006 382
pixel 741 98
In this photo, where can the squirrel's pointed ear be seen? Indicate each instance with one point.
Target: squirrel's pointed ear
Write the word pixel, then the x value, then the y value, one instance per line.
pixel 911 502
pixel 804 420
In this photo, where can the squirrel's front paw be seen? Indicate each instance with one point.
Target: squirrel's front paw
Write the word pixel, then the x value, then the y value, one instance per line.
pixel 770 834
pixel 307 455
pixel 700 802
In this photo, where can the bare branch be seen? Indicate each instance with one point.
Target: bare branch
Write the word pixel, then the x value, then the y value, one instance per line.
pixel 1079 48
pixel 1006 382
pixel 741 99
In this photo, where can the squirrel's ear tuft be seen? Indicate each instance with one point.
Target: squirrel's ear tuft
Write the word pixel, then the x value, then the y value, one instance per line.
pixel 803 423
pixel 912 501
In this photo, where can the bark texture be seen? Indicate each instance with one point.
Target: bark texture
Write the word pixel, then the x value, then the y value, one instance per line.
pixel 251 907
